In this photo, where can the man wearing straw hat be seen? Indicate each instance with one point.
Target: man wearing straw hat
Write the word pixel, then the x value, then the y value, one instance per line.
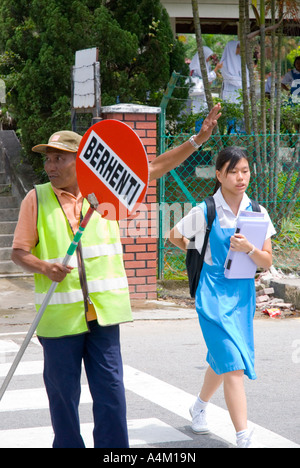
pixel 81 322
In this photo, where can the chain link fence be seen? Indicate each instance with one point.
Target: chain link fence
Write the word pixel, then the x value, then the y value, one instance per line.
pixel 275 180
pixel 194 180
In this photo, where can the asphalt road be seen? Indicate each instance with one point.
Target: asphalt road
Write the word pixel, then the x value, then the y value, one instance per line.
pixel 164 362
pixel 174 352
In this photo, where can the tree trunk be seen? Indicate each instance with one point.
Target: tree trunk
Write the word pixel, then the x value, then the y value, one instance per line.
pixel 264 189
pixel 273 184
pixel 198 33
pixel 255 147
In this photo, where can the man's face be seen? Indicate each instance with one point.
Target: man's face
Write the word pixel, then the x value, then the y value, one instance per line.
pixel 60 167
pixel 297 65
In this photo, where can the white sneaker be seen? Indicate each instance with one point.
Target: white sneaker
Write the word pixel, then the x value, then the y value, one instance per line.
pixel 199 424
pixel 248 442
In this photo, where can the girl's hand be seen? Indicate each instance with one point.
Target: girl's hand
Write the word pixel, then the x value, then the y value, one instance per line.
pixel 239 243
pixel 262 258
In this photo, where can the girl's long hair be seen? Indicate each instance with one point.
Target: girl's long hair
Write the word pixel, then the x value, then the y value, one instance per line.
pixel 231 154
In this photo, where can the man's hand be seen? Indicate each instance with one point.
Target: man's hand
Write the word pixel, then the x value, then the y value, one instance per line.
pixel 54 271
pixel 171 159
pixel 209 124
pixel 57 272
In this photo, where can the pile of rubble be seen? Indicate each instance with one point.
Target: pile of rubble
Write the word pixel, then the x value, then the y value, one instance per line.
pixel 266 303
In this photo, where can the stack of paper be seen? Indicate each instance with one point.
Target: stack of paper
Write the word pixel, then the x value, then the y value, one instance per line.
pixel 254 227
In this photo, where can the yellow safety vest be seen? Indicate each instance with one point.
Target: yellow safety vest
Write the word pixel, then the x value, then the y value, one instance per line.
pixel 103 273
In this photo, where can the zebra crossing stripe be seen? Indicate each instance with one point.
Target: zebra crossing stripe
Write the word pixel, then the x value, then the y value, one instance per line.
pixel 148 387
pixel 8 346
pixel 178 401
pixel 24 368
pixel 141 432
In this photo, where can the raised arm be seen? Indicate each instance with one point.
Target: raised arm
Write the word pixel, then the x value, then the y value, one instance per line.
pixel 171 159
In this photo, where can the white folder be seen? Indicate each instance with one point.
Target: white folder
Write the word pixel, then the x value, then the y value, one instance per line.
pixel 254 227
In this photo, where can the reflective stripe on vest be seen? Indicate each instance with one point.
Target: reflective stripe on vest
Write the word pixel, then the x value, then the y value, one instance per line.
pixel 103 260
pixel 91 252
pixel 76 296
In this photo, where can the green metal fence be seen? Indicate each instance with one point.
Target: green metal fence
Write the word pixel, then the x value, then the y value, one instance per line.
pixel 194 180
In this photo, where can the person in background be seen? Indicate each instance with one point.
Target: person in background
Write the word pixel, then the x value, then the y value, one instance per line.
pixel 197 92
pixel 232 72
pixel 269 84
pixel 291 82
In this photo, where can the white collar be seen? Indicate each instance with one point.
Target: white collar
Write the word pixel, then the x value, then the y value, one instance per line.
pixel 220 202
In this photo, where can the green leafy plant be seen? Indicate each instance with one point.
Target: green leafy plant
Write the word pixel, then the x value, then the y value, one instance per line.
pixel 38 41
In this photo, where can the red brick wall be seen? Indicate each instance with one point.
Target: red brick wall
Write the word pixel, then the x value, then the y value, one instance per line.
pixel 139 233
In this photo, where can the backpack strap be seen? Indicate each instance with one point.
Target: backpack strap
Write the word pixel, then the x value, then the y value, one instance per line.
pixel 211 211
pixel 211 214
pixel 194 260
pixel 255 206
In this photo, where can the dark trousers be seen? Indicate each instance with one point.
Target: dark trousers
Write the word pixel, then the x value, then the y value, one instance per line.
pixel 101 354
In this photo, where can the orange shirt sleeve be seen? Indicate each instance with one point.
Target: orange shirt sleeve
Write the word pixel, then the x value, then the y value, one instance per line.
pixel 26 235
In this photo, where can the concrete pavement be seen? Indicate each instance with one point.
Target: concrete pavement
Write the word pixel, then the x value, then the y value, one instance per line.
pixel 17 305
pixel 17 302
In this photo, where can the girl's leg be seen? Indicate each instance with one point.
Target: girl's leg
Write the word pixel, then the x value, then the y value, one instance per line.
pixel 212 382
pixel 235 398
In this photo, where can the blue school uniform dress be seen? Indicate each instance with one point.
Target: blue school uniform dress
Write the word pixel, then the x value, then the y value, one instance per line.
pixel 226 309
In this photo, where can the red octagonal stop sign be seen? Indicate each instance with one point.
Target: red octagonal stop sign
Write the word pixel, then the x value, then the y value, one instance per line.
pixel 112 164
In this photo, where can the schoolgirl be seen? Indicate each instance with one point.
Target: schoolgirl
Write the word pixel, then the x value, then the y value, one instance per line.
pixel 232 72
pixel 225 307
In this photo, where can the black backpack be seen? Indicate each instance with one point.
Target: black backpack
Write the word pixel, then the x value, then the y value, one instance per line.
pixel 194 260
